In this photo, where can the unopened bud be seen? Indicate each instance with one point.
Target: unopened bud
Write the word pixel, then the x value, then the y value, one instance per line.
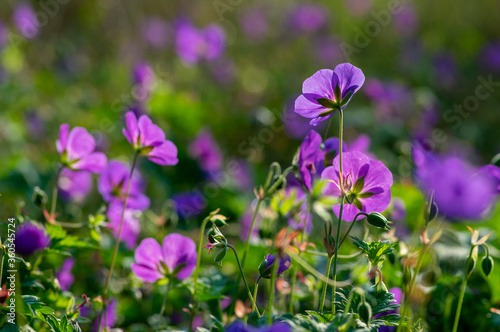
pixel 365 312
pixel 487 265
pixel 39 197
pixel 378 220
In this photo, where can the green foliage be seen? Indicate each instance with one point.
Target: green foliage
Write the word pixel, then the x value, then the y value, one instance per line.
pixel 375 250
pixel 62 242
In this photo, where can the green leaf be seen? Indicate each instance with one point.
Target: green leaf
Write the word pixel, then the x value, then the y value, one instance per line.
pixel 375 250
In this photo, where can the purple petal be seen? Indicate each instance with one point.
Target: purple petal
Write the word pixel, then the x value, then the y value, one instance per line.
pixel 361 144
pixel 307 106
pixel 95 163
pixel 215 41
pixel 331 189
pixel 349 78
pixel 348 213
pixel 179 250
pixel 146 273
pixel 132 131
pixel 149 254
pixel 80 143
pixel 320 84
pixel 150 134
pixel 63 138
pixel 379 176
pixel 138 201
pixel 165 154
pixel 131 227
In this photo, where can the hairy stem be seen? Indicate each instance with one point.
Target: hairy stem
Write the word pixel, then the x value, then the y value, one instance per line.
pixel 325 287
pixel 337 246
pixel 462 291
pixel 243 277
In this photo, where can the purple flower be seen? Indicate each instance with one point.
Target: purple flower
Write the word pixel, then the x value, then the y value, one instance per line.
pixel 76 148
pixel 75 186
pixel 131 227
pixel 239 326
pixel 149 140
pixel 310 159
pixel 460 191
pixel 331 147
pixel 143 77
pixel 406 20
pixel 445 70
pixel 327 91
pixel 155 32
pixel 494 172
pixel 367 184
pixel 328 51
pixel 193 45
pixel 489 56
pixel 391 99
pixel 108 318
pixel 254 24
pixel 265 268
pixel 30 238
pixel 359 7
pixel 64 275
pixel 206 151
pixel 189 204
pixel 177 255
pixel 296 217
pixel 308 18
pixel 398 295
pixel 25 20
pixel 398 210
pixel 113 184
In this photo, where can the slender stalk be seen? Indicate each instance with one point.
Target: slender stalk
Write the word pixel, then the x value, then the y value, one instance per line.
pixel 462 291
pixel 341 134
pixel 324 254
pixel 349 230
pixel 349 300
pixel 270 302
pixel 243 277
pixel 337 246
pixel 254 306
pixel 304 240
pixel 115 252
pixel 55 190
pixel 327 274
pixel 2 256
pixel 197 270
pixel 164 305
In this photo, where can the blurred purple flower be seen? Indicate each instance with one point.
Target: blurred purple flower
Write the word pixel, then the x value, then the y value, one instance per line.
pixel 308 18
pixel 35 124
pixel 398 210
pixel 328 51
pixel 239 326
pixel 265 269
pixel 64 275
pixel 25 20
pixel 131 227
pixel 398 296
pixel 108 319
pixel 206 151
pixel 494 173
pixel 143 77
pixel 113 184
pixel 489 57
pixel 296 126
pixel 223 71
pixel 392 100
pixel 246 221
pixel 30 238
pixel 445 70
pixel 327 91
pixel 310 159
pixel 460 191
pixel 75 186
pixel 76 148
pixel 193 45
pixel 367 184
pixel 406 20
pixel 239 169
pixel 331 147
pixel 153 262
pixel 149 140
pixel 359 7
pixel 155 32
pixel 296 221
pixel 254 24
pixel 189 204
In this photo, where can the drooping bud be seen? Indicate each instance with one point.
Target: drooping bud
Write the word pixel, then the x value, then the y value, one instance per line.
pixel 378 220
pixel 487 265
pixel 39 197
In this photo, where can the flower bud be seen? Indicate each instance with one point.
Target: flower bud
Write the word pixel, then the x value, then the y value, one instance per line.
pixel 365 312
pixel 211 234
pixel 219 222
pixel 39 197
pixel 471 264
pixel 378 220
pixel 487 265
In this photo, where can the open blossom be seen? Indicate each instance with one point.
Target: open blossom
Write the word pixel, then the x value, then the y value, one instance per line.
pixel 76 148
pixel 113 182
pixel 177 254
pixel 64 275
pixel 193 44
pixel 25 20
pixel 75 186
pixel 189 204
pixel 310 159
pixel 206 151
pixel 327 91
pixel 30 238
pixel 131 227
pixel 367 184
pixel 149 140
pixel 460 190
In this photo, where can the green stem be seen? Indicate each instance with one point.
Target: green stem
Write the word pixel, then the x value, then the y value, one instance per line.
pixel 254 306
pixel 164 305
pixel 304 240
pixel 55 190
pixel 243 277
pixel 349 230
pixel 349 300
pixel 270 303
pixel 341 134
pixel 462 291
pixel 197 270
pixel 337 246
pixel 327 274
pixel 115 251
pixel 2 256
